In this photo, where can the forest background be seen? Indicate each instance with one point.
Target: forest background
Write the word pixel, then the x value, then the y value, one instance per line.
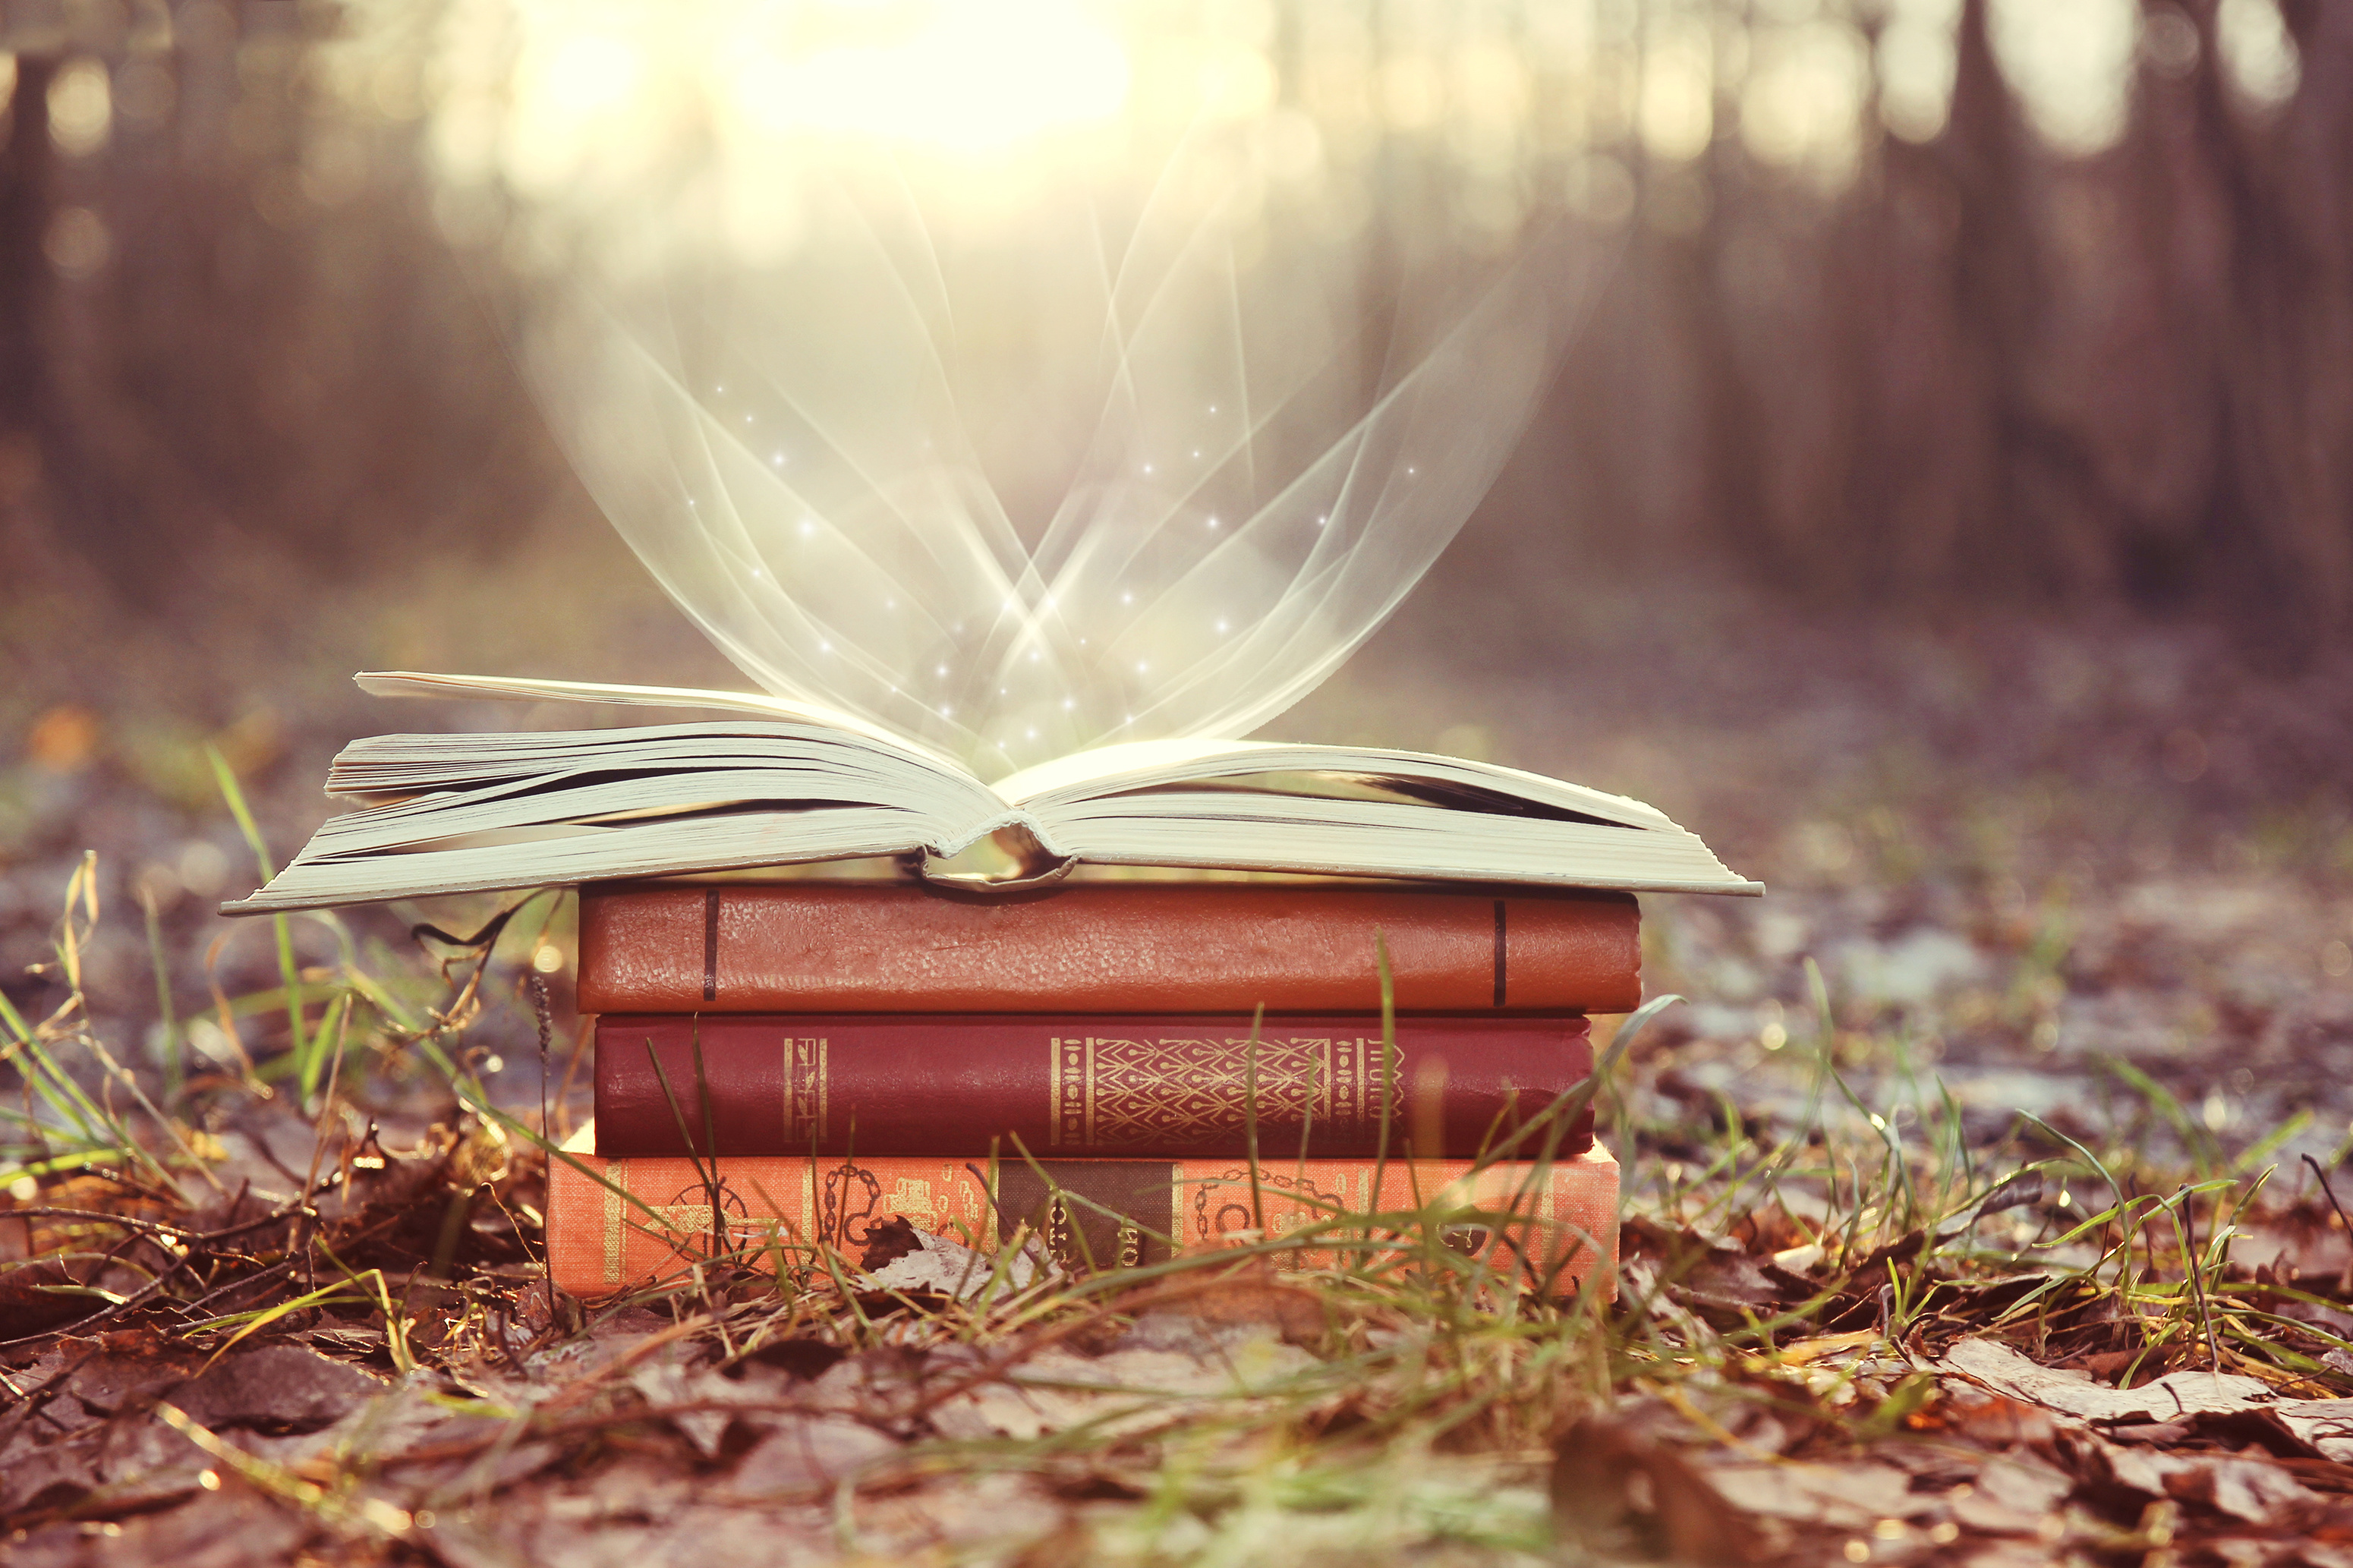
pixel 1945 508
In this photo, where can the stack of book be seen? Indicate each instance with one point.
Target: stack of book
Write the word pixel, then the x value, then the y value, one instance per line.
pixel 1111 1070
pixel 993 1040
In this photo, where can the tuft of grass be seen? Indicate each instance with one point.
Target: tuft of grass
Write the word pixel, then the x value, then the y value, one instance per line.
pixel 282 926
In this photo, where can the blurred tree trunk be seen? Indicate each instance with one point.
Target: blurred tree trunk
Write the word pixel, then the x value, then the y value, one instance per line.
pixel 24 163
pixel 47 461
pixel 2287 366
pixel 2029 503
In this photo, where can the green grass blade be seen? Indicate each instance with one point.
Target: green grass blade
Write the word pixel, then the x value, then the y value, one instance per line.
pixel 280 926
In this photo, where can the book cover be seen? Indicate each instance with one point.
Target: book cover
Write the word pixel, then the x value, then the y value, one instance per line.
pixel 850 947
pixel 1548 1223
pixel 877 1084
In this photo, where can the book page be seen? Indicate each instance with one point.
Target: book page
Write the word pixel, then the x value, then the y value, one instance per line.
pixel 1242 830
pixel 526 689
pixel 1152 764
pixel 593 799
pixel 380 769
pixel 1106 768
pixel 565 855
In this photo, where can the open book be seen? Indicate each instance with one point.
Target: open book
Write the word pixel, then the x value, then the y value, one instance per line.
pixel 785 784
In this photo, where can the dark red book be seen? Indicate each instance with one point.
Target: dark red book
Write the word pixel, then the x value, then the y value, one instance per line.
pixel 1180 1086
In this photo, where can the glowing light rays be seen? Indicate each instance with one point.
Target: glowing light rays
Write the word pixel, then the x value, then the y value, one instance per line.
pixel 1342 447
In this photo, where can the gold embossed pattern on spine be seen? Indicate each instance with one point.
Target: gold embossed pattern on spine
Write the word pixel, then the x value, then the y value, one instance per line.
pixel 1113 1093
pixel 836 1202
pixel 616 1179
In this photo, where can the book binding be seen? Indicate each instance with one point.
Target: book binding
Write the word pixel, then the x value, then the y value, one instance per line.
pixel 618 1225
pixel 1327 1086
pixel 880 947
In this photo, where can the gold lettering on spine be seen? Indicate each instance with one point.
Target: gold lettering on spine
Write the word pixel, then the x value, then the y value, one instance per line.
pixel 806 1091
pixel 1347 1099
pixel 976 1200
pixel 1068 1078
pixel 812 1074
pixel 617 1173
pixel 1175 1203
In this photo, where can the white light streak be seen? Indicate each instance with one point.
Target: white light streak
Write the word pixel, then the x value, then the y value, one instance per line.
pixel 846 339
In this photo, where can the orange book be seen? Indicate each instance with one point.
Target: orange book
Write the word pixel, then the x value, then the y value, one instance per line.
pixel 1550 1222
pixel 1107 947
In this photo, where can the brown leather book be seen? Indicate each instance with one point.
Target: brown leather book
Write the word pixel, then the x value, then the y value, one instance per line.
pixel 1202 947
pixel 944 1084
pixel 616 1225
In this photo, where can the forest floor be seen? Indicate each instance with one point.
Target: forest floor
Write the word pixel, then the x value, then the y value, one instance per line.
pixel 1977 1196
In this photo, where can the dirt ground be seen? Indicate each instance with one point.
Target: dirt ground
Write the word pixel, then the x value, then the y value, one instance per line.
pixel 2094 870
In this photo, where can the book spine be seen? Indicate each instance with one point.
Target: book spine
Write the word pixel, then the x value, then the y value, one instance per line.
pixel 1100 948
pixel 618 1225
pixel 1446 1088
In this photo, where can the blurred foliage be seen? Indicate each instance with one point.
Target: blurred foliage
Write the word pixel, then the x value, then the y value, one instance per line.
pixel 1906 311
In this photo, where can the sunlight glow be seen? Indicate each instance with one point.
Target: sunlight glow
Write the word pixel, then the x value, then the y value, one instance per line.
pixel 1677 109
pixel 974 77
pixel 2257 51
pixel 81 106
pixel 1917 63
pixel 2070 62
pixel 1804 99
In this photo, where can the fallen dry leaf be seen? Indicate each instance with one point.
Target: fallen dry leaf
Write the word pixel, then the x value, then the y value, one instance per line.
pixel 1845 1496
pixel 2325 1424
pixel 1248 1299
pixel 1128 1389
pixel 231 1528
pixel 1610 1486
pixel 667 1386
pixel 1994 1365
pixel 2013 1494
pixel 806 1453
pixel 937 1266
pixel 276 1388
pixel 37 1479
pixel 2254 1491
